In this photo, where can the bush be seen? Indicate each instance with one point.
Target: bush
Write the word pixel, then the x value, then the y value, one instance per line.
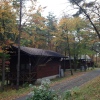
pixel 67 95
pixel 42 92
pixel 70 93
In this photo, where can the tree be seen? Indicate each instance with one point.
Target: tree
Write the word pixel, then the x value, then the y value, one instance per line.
pixel 51 25
pixel 79 39
pixel 84 8
pixel 67 25
pixel 27 19
pixel 35 30
pixel 8 32
pixel 33 23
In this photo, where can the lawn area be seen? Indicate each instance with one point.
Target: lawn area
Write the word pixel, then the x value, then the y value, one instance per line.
pixel 88 91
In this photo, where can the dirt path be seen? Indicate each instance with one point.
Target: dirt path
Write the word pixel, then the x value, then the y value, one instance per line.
pixel 71 83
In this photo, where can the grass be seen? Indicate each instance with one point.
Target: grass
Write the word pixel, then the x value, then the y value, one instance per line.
pixel 11 94
pixel 89 91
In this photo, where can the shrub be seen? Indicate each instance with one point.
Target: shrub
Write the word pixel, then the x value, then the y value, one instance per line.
pixel 67 95
pixel 70 93
pixel 42 92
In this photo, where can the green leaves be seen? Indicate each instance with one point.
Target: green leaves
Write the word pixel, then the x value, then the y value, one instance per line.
pixel 43 92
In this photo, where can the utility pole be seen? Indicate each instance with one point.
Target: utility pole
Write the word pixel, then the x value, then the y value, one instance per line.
pixel 20 29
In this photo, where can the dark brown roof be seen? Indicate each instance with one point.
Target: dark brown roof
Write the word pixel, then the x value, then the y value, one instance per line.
pixel 39 52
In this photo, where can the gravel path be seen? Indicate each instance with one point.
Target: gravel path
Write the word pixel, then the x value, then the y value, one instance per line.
pixel 78 81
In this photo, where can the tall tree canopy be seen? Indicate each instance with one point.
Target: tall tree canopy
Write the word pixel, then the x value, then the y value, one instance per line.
pixel 8 26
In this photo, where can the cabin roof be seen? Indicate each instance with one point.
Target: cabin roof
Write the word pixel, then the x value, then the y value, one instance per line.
pixel 82 57
pixel 86 57
pixel 39 52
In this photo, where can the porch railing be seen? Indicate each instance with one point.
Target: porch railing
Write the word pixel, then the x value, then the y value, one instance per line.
pixel 24 76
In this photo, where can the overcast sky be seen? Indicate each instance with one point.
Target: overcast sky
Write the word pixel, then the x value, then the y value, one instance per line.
pixel 58 7
pixel 55 6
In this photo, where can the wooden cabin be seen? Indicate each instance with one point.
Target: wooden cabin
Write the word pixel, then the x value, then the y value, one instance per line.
pixel 65 63
pixel 35 64
pixel 82 60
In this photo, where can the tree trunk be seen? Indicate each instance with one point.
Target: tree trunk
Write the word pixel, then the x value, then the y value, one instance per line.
pixel 69 56
pixel 75 63
pixel 3 73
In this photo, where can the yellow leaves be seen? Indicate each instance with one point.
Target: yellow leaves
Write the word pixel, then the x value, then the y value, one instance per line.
pixel 1 51
pixel 38 19
pixel 70 24
pixel 7 24
pixel 25 35
pixel 15 31
pixel 1 30
pixel 8 18
pixel 67 24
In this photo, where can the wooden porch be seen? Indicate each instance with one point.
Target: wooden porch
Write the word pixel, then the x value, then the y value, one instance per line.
pixel 24 77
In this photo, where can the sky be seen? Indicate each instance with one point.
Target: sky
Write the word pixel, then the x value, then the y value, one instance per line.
pixel 58 7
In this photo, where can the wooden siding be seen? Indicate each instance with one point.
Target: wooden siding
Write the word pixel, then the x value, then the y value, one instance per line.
pixel 49 69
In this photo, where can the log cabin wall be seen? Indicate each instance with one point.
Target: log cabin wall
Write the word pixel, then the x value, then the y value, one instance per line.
pixel 49 69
